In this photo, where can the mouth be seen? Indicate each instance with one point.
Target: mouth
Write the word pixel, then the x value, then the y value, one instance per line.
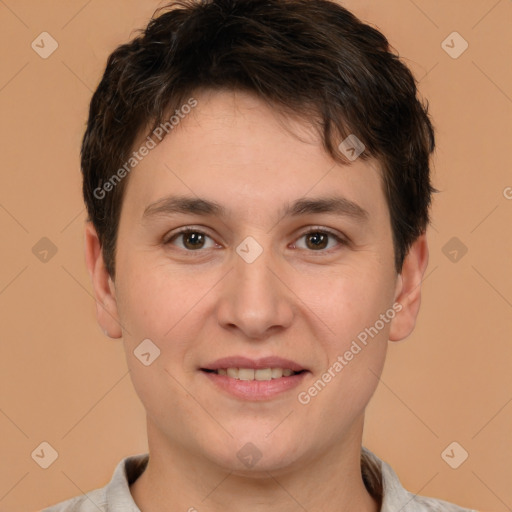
pixel 244 378
pixel 259 374
pixel 254 380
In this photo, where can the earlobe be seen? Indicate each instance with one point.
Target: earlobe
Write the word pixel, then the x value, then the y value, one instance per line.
pixel 408 290
pixel 103 286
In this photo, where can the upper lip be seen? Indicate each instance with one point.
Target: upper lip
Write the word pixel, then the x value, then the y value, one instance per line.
pixel 245 362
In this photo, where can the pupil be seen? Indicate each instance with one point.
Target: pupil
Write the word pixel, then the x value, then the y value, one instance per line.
pixel 196 238
pixel 321 240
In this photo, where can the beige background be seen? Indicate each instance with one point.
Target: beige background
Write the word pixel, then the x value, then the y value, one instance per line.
pixel 63 382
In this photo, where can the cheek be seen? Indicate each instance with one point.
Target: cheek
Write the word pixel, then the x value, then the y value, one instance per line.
pixel 153 302
pixel 349 300
pixel 159 307
pixel 356 348
pixel 168 308
pixel 350 304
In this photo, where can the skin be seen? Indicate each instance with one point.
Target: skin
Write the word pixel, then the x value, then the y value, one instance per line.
pixel 295 300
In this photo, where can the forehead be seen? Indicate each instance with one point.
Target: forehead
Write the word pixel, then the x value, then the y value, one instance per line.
pixel 237 151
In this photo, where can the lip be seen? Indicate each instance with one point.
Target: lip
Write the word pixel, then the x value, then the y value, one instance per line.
pixel 245 362
pixel 254 390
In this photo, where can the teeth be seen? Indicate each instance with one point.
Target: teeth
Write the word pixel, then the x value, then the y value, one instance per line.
pixel 252 374
pixel 245 373
pixel 233 373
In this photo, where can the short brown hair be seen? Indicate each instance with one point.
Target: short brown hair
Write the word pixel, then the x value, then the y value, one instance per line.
pixel 308 57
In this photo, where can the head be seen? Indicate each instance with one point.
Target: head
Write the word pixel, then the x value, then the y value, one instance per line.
pixel 253 108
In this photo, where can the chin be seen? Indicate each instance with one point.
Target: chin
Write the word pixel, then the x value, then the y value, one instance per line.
pixel 257 455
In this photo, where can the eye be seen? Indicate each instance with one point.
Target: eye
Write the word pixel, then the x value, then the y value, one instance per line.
pixel 318 239
pixel 192 239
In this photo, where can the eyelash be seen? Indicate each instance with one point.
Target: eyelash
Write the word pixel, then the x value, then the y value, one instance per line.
pixel 316 230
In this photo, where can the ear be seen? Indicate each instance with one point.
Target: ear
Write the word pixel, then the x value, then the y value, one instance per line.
pixel 104 288
pixel 408 289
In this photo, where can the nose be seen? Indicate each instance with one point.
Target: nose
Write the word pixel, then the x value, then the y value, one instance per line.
pixel 255 299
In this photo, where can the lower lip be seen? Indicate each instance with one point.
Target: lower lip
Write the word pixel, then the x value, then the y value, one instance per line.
pixel 255 389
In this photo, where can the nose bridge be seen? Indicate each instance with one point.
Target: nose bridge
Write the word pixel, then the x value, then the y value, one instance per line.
pixel 255 300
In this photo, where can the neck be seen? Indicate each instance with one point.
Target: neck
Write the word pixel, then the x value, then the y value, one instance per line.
pixel 177 479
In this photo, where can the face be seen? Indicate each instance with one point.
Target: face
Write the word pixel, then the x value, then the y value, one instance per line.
pixel 286 263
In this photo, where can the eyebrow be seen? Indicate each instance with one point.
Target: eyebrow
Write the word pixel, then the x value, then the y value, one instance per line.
pixel 189 205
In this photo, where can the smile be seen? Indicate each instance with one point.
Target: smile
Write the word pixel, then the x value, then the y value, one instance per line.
pixel 251 384
pixel 260 374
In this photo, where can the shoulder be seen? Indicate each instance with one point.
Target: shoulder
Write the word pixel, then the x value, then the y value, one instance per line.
pixel 393 495
pixel 93 501
pixel 114 497
pixel 424 504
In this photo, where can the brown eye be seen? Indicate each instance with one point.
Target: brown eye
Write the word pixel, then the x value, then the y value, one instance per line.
pixel 191 239
pixel 318 240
